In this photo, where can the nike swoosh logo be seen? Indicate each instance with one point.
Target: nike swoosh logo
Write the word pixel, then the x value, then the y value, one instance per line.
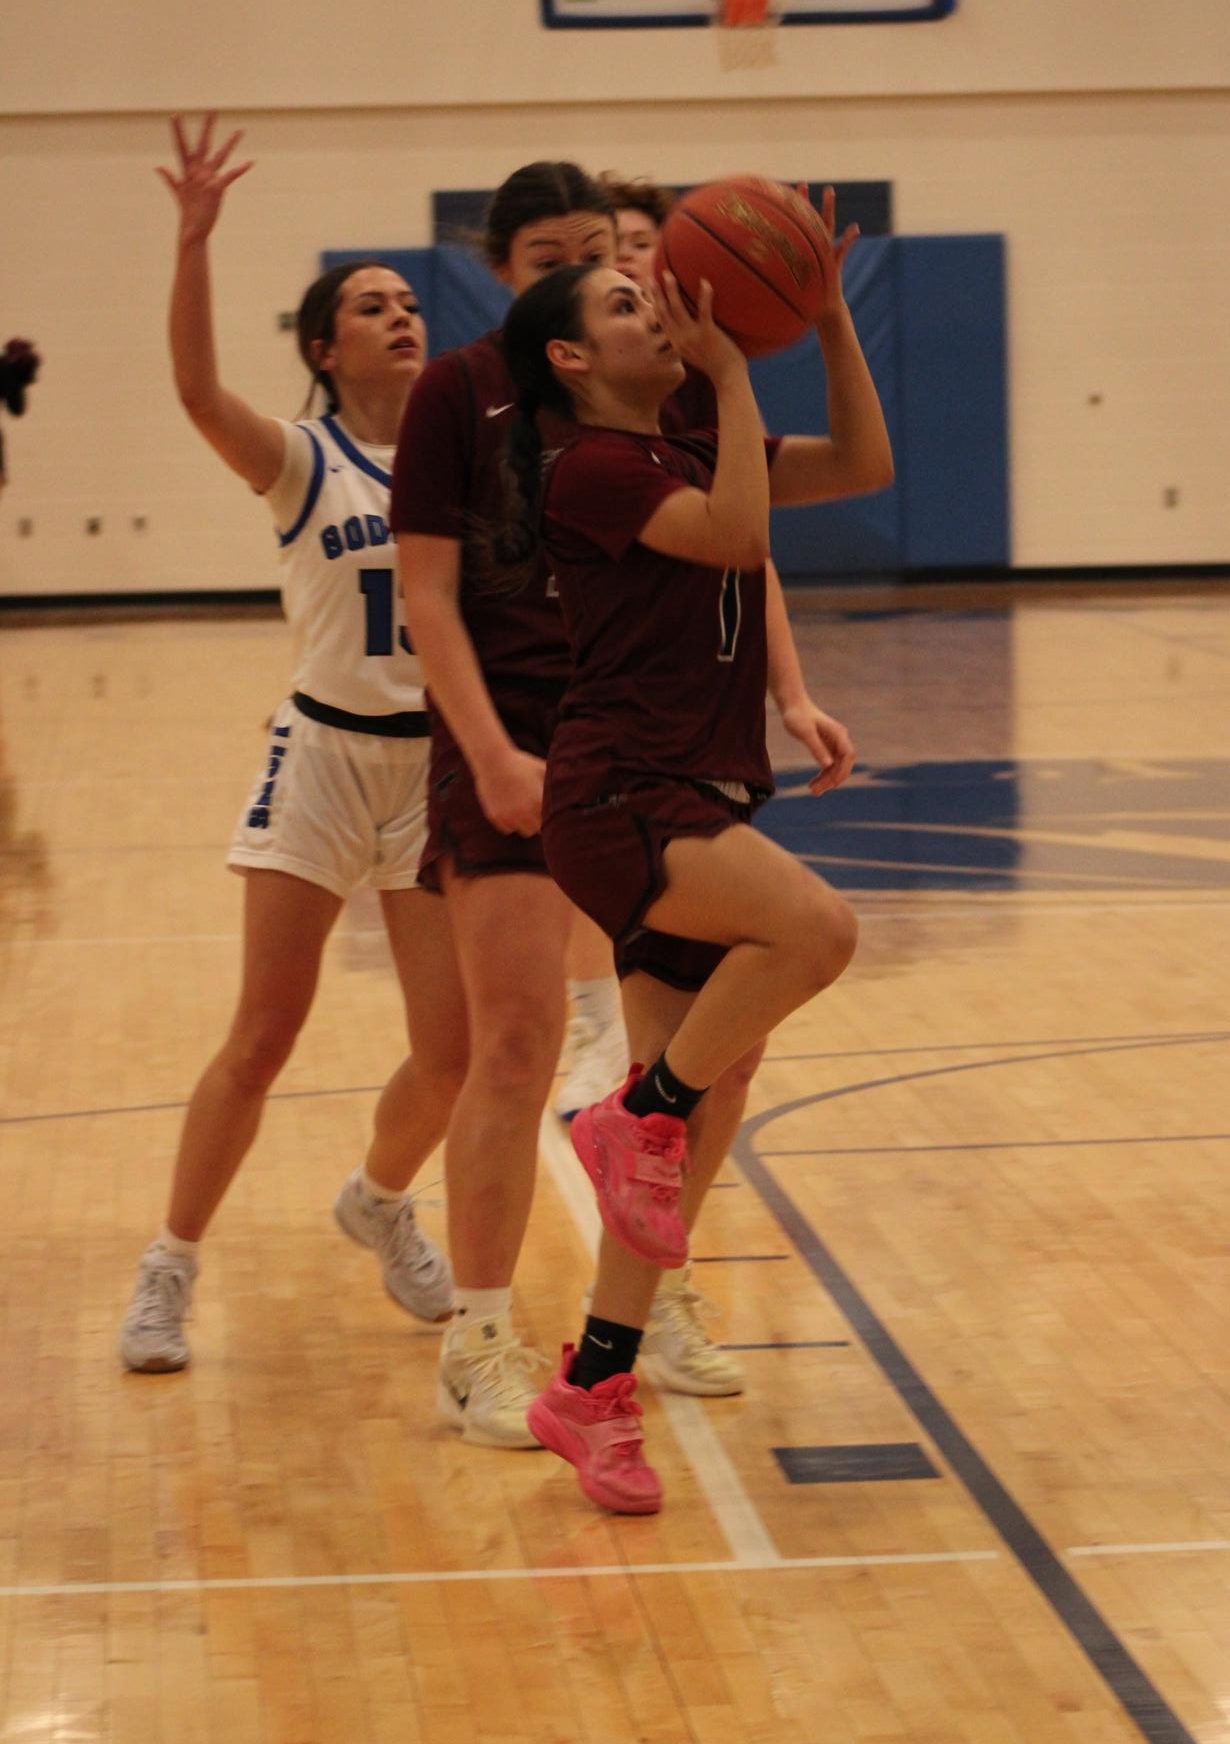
pixel 602 1343
pixel 494 411
pixel 664 1094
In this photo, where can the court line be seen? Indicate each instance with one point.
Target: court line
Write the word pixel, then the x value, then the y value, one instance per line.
pixel 1068 1042
pixel 1106 1652
pixel 1007 1144
pixel 1006 902
pixel 1180 1547
pixel 1189 1035
pixel 745 1532
pixel 424 1577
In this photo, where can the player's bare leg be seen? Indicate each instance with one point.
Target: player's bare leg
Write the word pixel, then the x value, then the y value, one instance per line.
pixel 790 935
pixel 596 1051
pixel 677 1351
pixel 286 923
pixel 412 1114
pixel 511 932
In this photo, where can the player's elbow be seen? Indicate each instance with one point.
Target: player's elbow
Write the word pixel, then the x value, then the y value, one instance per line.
pixel 876 472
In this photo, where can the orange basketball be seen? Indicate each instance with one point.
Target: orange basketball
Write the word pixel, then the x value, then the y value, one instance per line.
pixel 757 244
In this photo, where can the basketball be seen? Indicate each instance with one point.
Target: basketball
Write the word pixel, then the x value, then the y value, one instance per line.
pixel 757 243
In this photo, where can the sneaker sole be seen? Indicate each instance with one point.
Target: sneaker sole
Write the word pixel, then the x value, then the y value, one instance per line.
pixel 451 1413
pixel 427 1319
pixel 581 1130
pixel 546 1427
pixel 155 1365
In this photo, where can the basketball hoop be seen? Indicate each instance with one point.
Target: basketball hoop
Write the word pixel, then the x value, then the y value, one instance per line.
pixel 747 14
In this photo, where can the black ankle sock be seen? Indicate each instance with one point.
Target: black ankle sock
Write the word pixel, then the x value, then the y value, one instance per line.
pixel 660 1092
pixel 606 1349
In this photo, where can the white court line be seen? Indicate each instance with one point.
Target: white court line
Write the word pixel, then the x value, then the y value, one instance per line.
pixel 868 911
pixel 1179 1548
pixel 744 1530
pixel 425 1577
pixel 131 939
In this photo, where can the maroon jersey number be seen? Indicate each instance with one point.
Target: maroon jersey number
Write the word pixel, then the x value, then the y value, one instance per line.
pixel 730 613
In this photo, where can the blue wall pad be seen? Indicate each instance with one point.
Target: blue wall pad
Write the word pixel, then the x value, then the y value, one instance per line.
pixel 930 315
pixel 952 401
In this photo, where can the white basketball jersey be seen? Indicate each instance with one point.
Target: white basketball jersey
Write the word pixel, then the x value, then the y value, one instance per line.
pixel 339 589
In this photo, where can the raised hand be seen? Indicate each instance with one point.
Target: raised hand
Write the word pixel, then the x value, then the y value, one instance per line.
pixel 203 177
pixel 697 338
pixel 831 253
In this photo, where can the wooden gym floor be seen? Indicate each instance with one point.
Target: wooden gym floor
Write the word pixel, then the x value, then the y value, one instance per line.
pixel 974 1247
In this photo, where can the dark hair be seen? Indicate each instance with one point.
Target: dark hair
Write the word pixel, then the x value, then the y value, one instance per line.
pixel 316 319
pixel 549 309
pixel 19 363
pixel 536 191
pixel 639 195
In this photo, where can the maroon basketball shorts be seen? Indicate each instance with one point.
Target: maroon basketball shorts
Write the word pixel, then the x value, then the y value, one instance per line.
pixel 458 829
pixel 608 858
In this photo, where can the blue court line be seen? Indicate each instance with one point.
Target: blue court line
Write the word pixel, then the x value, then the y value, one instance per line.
pixel 1000 1144
pixel 794 1344
pixel 1195 1035
pixel 1215 1035
pixel 729 1259
pixel 1106 1652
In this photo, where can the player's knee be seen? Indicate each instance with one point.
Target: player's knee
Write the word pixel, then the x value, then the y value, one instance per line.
pixel 260 1045
pixel 827 938
pixel 512 1049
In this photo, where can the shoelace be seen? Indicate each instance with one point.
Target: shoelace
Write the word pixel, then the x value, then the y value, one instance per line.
pixel 683 1309
pixel 408 1241
pixel 621 1417
pixel 507 1371
pixel 160 1297
pixel 666 1147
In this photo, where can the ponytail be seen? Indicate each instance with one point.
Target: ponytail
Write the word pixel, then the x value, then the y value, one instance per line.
pixel 509 552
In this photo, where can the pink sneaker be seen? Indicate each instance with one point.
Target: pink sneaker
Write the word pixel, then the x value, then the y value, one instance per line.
pixel 599 1432
pixel 636 1165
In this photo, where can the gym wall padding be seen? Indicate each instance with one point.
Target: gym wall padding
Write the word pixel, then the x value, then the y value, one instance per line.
pixel 930 312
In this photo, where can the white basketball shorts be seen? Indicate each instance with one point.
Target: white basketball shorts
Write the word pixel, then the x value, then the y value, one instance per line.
pixel 340 809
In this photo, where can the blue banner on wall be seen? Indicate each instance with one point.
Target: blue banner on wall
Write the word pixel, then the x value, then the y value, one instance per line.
pixel 658 14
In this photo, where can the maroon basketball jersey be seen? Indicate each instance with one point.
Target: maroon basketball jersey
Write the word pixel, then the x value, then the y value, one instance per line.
pixel 669 656
pixel 448 476
pixel 692 406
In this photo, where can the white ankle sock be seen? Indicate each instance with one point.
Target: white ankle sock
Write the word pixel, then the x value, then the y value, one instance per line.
pixel 597 1001
pixel 175 1245
pixel 376 1189
pixel 481 1304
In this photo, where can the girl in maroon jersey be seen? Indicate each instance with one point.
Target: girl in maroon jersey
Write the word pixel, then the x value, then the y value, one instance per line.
pixel 495 664
pixel 658 544
pixel 677 1349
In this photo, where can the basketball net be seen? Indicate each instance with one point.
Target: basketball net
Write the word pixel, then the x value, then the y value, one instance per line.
pixel 746 37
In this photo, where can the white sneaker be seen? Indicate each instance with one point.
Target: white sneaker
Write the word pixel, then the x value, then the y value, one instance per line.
pixel 676 1351
pixel 597 1058
pixel 487 1382
pixel 152 1337
pixel 416 1274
